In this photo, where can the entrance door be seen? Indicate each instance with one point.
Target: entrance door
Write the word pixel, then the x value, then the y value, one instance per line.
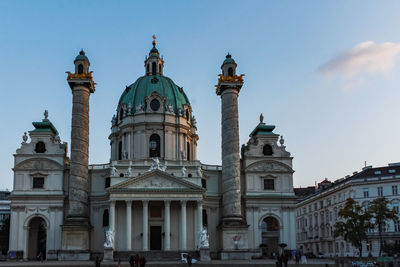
pixel 37 239
pixel 155 237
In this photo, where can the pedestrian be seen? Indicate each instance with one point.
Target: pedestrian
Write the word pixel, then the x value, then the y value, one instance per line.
pixel 97 262
pixel 119 262
pixel 143 262
pixel 137 260
pixel 189 260
pixel 280 259
pixel 285 259
pixel 131 261
pixel 297 256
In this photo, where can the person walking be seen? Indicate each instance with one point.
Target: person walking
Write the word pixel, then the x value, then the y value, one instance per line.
pixel 285 259
pixel 131 261
pixel 97 262
pixel 297 256
pixel 143 261
pixel 189 260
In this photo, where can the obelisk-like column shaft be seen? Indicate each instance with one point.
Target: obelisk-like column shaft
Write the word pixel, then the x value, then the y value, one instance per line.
pixel 78 179
pixel 230 154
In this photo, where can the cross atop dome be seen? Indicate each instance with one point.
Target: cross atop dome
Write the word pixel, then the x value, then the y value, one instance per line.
pixel 154 40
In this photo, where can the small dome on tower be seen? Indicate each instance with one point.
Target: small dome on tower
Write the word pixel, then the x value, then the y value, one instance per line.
pixel 228 59
pixel 81 56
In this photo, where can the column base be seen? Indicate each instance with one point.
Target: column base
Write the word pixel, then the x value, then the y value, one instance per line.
pixel 233 235
pixel 108 254
pixel 205 254
pixel 75 241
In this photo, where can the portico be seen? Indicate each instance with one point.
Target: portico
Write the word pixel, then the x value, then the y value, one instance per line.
pixel 155 211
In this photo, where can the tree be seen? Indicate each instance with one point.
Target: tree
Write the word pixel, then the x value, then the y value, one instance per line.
pixel 381 214
pixel 355 224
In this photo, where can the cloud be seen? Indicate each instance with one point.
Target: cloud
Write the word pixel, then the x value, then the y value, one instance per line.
pixel 366 58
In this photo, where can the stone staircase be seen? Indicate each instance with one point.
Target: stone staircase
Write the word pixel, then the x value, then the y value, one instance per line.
pixel 160 256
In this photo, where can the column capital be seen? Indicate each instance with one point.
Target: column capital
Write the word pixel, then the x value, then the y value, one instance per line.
pixel 167 202
pixel 145 203
pixel 112 202
pixel 128 202
pixel 199 202
pixel 183 202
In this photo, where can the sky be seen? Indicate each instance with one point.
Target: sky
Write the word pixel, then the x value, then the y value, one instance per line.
pixel 325 73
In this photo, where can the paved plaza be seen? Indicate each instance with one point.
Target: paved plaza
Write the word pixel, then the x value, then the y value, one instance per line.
pixel 236 263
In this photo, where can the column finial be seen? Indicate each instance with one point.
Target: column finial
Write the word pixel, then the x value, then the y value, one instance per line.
pixel 154 40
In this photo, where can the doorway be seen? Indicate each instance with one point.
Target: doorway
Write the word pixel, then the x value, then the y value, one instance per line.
pixel 155 237
pixel 270 236
pixel 37 239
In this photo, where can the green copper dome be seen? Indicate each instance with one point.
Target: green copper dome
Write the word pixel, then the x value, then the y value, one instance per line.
pixel 81 56
pixel 228 59
pixel 135 94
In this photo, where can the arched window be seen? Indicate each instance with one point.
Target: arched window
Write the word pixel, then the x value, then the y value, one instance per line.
pixel 120 150
pixel 159 68
pixel 230 72
pixel 153 68
pixel 187 114
pixel 154 146
pixel 106 218
pixel 267 150
pixel 80 69
pixel 148 68
pixel 40 147
pixel 188 150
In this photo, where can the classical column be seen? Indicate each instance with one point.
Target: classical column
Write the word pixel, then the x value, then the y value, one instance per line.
pixel 145 243
pixel 167 230
pixel 128 225
pixel 199 221
pixel 228 88
pixel 183 225
pixel 112 216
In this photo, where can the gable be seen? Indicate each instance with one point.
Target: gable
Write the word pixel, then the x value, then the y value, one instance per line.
pixel 269 166
pixel 38 164
pixel 156 180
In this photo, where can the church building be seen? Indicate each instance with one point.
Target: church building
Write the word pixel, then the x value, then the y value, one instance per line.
pixel 154 194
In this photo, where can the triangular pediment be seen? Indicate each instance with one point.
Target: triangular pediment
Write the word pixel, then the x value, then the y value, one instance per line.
pixel 156 180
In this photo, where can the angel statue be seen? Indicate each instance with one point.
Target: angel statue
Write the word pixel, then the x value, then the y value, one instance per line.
pixel 109 239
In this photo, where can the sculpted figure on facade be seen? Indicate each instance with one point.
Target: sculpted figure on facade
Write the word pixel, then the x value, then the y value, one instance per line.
pixel 204 239
pixel 109 239
pixel 113 171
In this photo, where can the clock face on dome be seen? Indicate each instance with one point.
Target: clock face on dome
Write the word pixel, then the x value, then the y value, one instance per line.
pixel 154 104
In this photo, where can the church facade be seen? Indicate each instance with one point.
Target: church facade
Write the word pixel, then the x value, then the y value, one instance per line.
pixel 154 194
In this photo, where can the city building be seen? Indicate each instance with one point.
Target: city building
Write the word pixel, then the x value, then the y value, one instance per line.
pixel 154 194
pixel 317 213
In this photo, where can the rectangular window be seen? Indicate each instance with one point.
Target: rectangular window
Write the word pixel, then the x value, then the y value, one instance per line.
pixel 315 206
pixel 394 189
pixel 269 184
pixel 38 182
pixel 380 191
pixel 366 192
pixel 321 204
pixel 396 209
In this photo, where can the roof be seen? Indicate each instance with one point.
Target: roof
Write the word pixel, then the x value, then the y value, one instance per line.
pixel 44 126
pixel 392 170
pixel 263 129
pixel 81 56
pixel 228 59
pixel 136 93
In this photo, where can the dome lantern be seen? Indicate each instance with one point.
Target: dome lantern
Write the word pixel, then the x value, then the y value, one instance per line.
pixel 228 67
pixel 154 64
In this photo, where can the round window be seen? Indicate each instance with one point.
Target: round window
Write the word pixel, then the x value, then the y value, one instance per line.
pixel 155 104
